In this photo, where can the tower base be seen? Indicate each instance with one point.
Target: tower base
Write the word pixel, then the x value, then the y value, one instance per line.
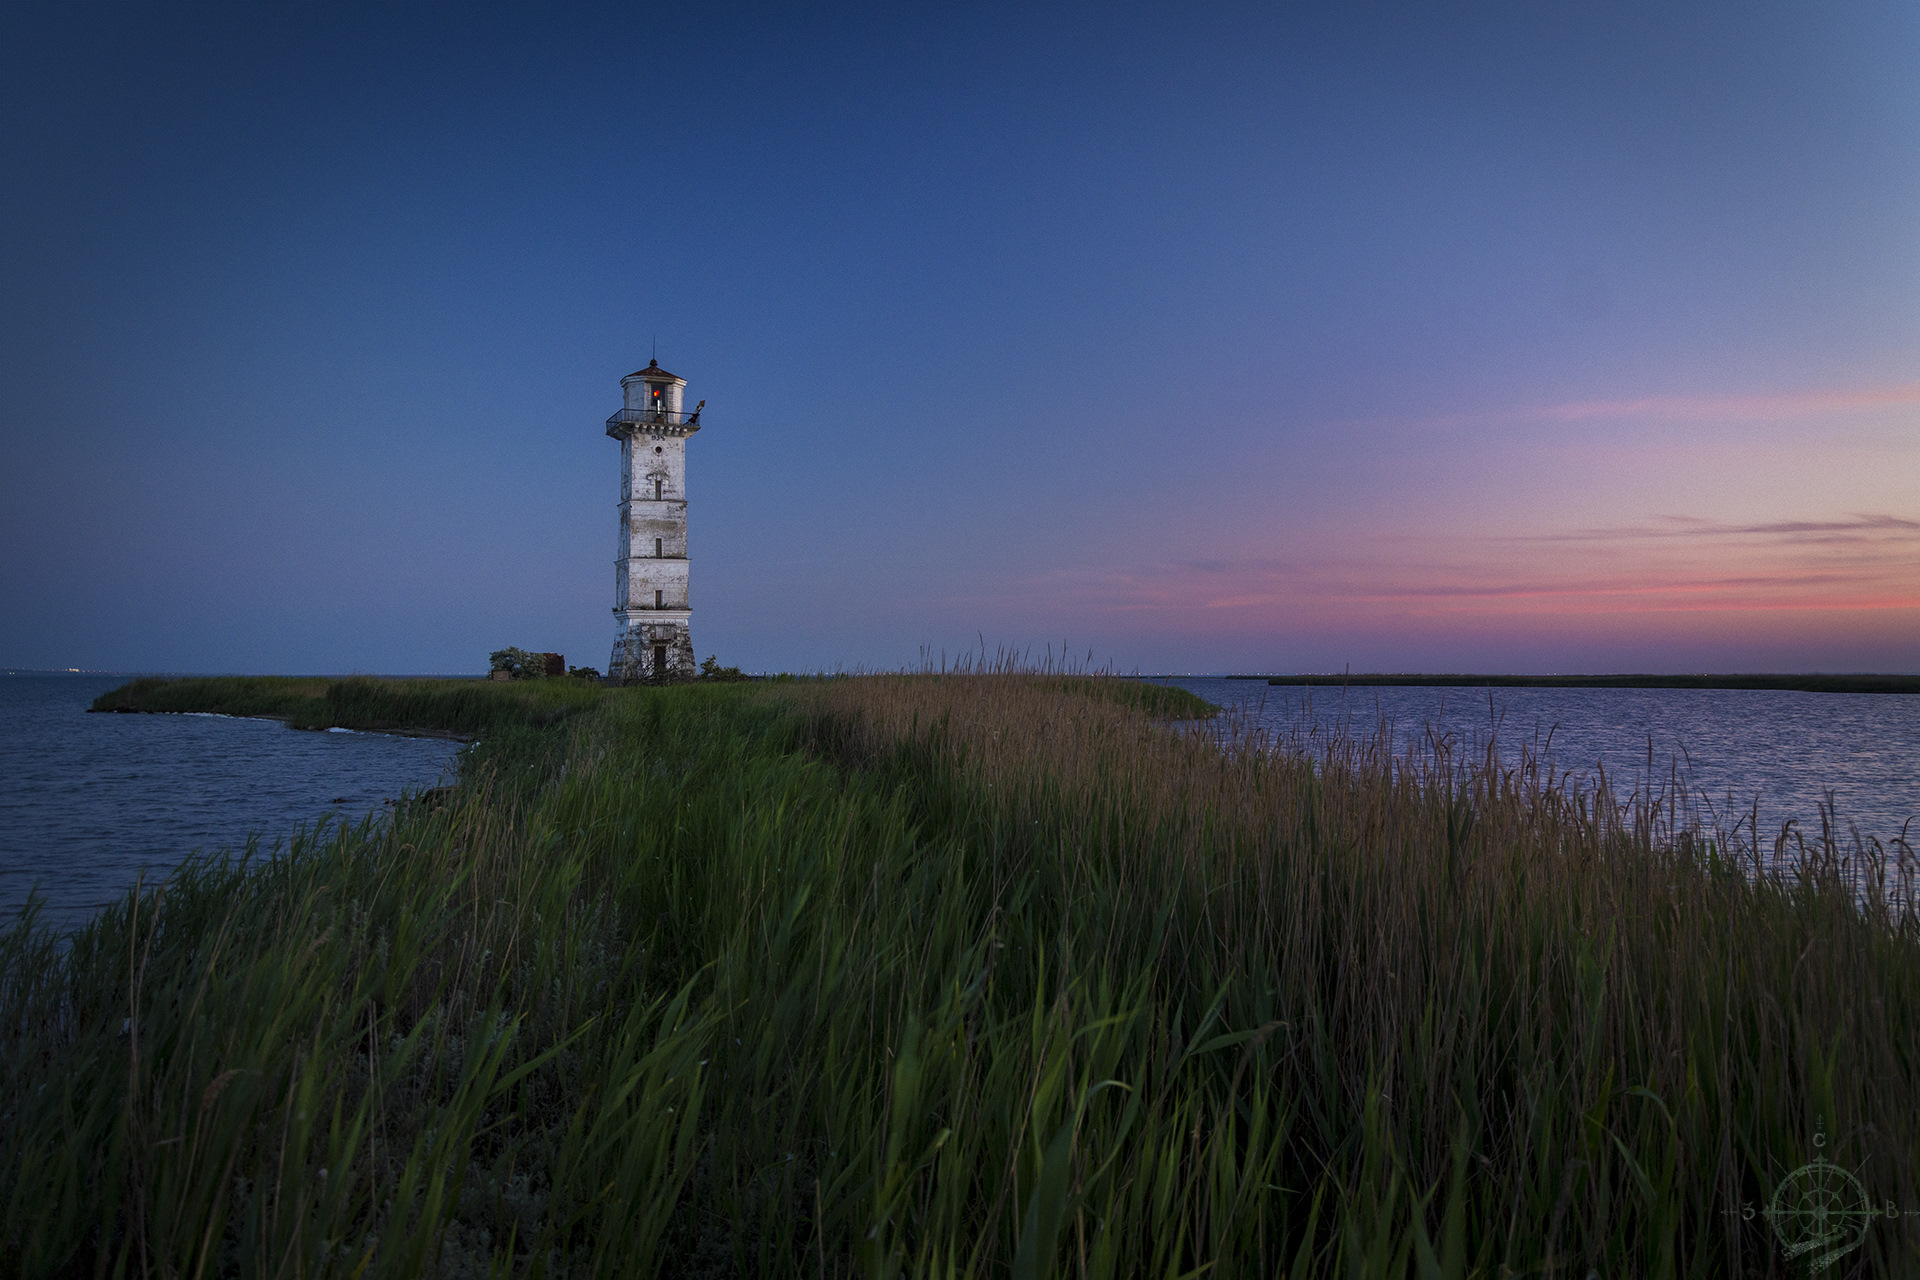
pixel 651 649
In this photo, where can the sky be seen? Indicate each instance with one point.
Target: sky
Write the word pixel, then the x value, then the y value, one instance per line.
pixel 1269 338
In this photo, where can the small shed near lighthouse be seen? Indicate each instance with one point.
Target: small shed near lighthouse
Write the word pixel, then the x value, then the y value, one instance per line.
pixel 653 637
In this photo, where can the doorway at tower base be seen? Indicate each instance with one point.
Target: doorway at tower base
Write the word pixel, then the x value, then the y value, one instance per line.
pixel 640 647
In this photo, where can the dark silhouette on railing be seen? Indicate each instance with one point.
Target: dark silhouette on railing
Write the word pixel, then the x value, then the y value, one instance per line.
pixel 656 417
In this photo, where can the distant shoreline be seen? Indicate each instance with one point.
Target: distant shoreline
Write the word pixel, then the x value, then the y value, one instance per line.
pixel 1807 683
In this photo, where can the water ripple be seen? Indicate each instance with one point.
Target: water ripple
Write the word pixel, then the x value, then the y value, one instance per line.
pixel 1731 750
pixel 89 801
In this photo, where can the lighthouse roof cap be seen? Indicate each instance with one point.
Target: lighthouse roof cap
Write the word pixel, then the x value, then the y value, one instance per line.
pixel 654 373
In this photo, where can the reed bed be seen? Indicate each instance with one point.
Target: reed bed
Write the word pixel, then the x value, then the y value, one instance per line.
pixel 1554 1030
pixel 977 974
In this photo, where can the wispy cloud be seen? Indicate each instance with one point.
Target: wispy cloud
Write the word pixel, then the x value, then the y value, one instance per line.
pixel 1613 587
pixel 1678 563
pixel 1757 594
pixel 1777 405
pixel 1858 528
pixel 1742 408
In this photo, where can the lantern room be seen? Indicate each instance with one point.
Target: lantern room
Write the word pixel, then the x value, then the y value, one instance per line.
pixel 654 392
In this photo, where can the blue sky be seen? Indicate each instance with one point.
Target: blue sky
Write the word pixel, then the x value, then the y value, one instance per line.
pixel 1400 337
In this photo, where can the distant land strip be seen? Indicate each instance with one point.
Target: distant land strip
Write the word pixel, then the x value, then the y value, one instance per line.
pixel 1789 683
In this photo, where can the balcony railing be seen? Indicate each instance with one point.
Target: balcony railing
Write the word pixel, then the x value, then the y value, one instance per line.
pixel 653 418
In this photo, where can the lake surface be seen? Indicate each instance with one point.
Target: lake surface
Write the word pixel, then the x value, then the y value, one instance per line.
pixel 1729 748
pixel 88 801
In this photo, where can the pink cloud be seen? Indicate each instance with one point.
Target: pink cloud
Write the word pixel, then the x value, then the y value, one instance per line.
pixel 1863 564
pixel 1794 404
pixel 1744 408
pixel 1859 528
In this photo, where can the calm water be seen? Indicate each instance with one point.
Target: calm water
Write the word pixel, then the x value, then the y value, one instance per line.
pixel 87 801
pixel 1730 747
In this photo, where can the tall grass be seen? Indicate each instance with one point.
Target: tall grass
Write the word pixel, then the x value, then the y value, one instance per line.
pixel 224 695
pixel 976 974
pixel 1556 1030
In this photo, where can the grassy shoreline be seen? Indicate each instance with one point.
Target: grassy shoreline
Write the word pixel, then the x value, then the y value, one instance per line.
pixel 459 709
pixel 988 975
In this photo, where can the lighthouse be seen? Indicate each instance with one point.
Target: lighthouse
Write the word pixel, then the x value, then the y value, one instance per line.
pixel 654 638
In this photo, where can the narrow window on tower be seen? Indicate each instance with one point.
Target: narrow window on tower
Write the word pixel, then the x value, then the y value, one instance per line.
pixel 656 490
pixel 656 549
pixel 659 599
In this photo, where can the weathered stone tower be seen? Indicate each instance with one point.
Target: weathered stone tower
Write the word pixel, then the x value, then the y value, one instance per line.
pixel 655 637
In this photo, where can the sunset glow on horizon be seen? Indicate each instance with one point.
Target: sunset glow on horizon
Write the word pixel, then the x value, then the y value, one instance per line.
pixel 1819 576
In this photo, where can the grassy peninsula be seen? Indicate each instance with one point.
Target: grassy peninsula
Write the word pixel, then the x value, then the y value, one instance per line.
pixel 455 708
pixel 957 975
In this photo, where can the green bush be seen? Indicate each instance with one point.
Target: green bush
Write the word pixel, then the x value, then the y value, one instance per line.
pixel 518 663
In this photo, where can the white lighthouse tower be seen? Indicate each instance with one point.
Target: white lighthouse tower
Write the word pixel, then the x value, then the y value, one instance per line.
pixel 655 637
